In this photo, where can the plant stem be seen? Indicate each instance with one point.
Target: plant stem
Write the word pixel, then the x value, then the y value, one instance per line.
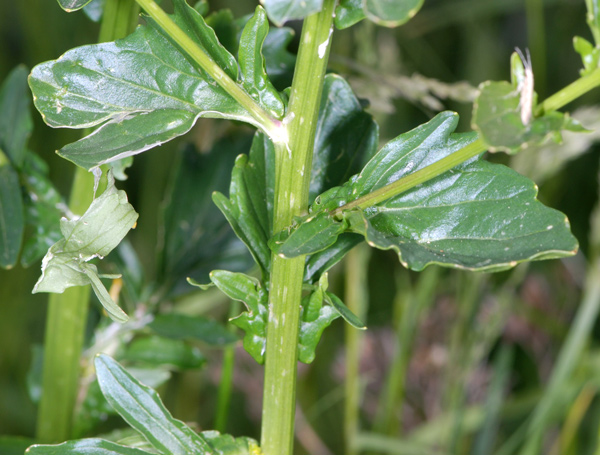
pixel 271 126
pixel 569 93
pixel 293 171
pixel 67 312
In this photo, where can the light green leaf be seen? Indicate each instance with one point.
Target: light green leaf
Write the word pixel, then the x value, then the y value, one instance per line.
pixel 84 447
pixel 391 13
pixel 593 18
pixel 72 5
pixel 11 215
pixel 477 216
pixel 348 13
pixel 159 351
pixel 252 64
pixel 181 326
pixel 95 234
pixel 143 410
pixel 225 444
pixel 15 116
pixel 344 311
pixel 590 54
pixel 281 11
pixel 314 319
pixel 140 91
pixel 498 119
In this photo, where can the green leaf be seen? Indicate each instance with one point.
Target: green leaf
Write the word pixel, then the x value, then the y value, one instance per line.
pixel 94 10
pixel 279 61
pixel 314 319
pixel 135 110
pixel 143 410
pixel 196 238
pixel 249 209
pixel 590 55
pixel 158 351
pixel 181 326
pixel 348 13
pixel 11 216
pixel 320 262
pixel 391 13
pixel 72 5
pixel 225 444
pixel 344 311
pixel 84 447
pixel 477 216
pixel 15 119
pixel 252 65
pixel 593 18
pixel 95 234
pixel 281 11
pixel 498 119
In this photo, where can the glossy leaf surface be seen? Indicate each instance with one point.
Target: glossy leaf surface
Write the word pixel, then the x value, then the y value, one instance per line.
pixel 181 326
pixel 281 11
pixel 477 216
pixel 15 116
pixel 85 447
pixel 140 91
pixel 391 13
pixel 143 410
pixel 497 116
pixel 95 234
pixel 348 13
pixel 11 215
pixel 72 5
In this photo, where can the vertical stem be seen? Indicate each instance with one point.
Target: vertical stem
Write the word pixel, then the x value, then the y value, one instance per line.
pixel 293 171
pixel 67 312
pixel 356 297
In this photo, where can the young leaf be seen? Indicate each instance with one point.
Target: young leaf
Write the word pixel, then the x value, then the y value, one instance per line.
pixel 95 234
pixel 281 11
pixel 11 214
pixel 72 5
pixel 140 91
pixel 252 64
pixel 225 444
pixel 314 319
pixel 348 13
pixel 590 55
pixel 477 216
pixel 85 447
pixel 143 410
pixel 391 13
pixel 15 119
pixel 498 119
pixel 344 311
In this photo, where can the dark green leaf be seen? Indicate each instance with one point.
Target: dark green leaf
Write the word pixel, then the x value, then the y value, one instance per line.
pixel 391 13
pixel 14 445
pixel 142 409
pixel 314 319
pixel 15 119
pixel 249 209
pixel 478 216
pixel 196 237
pixel 95 234
pixel 318 263
pixel 281 11
pixel 158 351
pixel 11 214
pixel 348 13
pixel 180 326
pixel 279 62
pixel 344 311
pixel 139 91
pixel 85 447
pixel 498 116
pixel 226 28
pixel 72 5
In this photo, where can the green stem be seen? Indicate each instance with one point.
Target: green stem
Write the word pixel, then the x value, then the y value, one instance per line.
pixel 553 103
pixel 357 298
pixel 67 312
pixel 293 171
pixel 271 126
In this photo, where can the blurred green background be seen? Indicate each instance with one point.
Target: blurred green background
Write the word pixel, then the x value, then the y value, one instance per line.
pixel 456 327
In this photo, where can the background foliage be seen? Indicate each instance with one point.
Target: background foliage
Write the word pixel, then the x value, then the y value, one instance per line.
pixel 468 342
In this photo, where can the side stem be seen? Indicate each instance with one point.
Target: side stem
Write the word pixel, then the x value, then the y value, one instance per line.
pixel 293 171
pixel 67 312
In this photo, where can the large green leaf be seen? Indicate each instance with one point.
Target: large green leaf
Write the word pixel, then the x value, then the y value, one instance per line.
pixel 181 326
pixel 498 116
pixel 139 91
pixel 158 351
pixel 281 11
pixel 389 13
pixel 477 216
pixel 11 214
pixel 348 13
pixel 85 447
pixel 196 238
pixel 15 117
pixel 143 410
pixel 72 5
pixel 95 234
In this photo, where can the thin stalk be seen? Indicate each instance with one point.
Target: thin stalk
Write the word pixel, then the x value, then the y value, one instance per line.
pixel 293 166
pixel 271 126
pixel 357 300
pixel 224 393
pixel 536 37
pixel 67 312
pixel 553 103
